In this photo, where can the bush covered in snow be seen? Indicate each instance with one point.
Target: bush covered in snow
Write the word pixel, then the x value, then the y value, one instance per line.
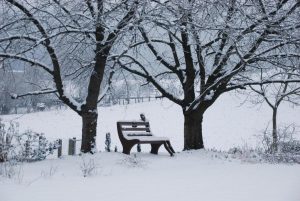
pixel 288 148
pixel 25 146
pixel 288 145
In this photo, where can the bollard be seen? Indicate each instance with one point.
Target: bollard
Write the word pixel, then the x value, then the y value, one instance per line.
pixel 59 151
pixel 72 146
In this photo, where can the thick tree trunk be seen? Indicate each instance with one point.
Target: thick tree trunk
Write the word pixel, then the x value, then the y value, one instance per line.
pixel 274 131
pixel 89 110
pixel 193 130
pixel 89 132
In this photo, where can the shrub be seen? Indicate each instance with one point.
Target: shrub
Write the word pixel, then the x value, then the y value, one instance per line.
pixel 107 142
pixel 26 146
pixel 88 167
pixel 6 139
pixel 288 145
pixel 12 170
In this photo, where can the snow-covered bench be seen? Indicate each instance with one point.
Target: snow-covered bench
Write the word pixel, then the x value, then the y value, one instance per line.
pixel 138 132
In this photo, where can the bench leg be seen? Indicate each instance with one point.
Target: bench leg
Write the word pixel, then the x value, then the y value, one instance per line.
pixel 154 148
pixel 168 148
pixel 127 148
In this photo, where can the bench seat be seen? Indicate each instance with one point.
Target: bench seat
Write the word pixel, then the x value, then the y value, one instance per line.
pixel 147 138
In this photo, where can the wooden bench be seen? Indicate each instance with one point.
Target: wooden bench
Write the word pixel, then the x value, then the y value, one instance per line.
pixel 138 132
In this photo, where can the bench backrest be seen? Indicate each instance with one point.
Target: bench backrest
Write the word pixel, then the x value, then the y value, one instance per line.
pixel 133 129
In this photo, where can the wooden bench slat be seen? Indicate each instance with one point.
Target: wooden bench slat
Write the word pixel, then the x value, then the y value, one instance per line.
pixel 138 134
pixel 135 129
pixel 129 123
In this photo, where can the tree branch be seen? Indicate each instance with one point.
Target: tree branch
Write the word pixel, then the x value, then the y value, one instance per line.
pixel 33 93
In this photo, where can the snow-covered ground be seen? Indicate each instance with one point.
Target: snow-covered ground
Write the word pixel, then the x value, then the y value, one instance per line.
pixel 193 176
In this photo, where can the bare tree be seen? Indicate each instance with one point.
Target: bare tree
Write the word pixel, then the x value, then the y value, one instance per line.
pixel 276 93
pixel 10 80
pixel 209 48
pixel 5 84
pixel 69 40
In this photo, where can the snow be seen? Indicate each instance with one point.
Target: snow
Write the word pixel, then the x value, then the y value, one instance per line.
pixel 144 138
pixel 14 96
pixel 193 175
pixel 73 101
pixel 210 95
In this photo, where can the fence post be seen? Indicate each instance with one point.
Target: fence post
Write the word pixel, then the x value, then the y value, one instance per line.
pixel 72 146
pixel 59 151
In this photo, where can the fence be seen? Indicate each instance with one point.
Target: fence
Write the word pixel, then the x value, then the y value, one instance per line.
pixel 130 100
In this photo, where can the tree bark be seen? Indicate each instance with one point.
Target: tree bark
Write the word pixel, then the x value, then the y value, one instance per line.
pixel 274 131
pixel 89 110
pixel 193 130
pixel 89 131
